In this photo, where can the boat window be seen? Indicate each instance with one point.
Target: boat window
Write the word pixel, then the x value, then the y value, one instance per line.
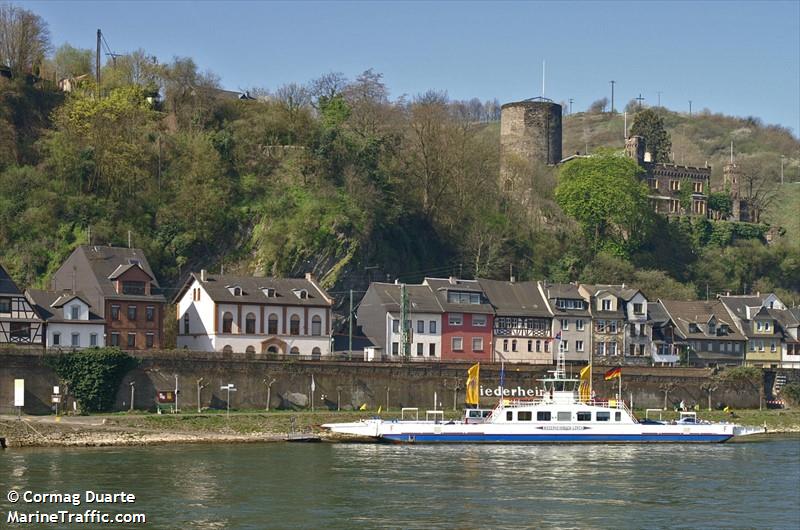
pixel 524 415
pixel 486 413
pixel 543 415
pixel 603 416
pixel 584 416
pixel 564 416
pixel 617 416
pixel 475 413
pixel 509 415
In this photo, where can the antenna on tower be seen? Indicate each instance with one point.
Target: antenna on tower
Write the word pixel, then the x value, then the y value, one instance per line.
pixel 544 71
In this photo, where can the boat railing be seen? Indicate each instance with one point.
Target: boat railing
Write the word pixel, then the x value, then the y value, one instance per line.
pixel 544 400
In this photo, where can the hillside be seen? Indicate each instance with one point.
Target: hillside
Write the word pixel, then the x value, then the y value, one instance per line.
pixel 347 184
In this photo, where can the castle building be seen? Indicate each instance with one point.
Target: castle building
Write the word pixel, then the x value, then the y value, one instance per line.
pixel 664 182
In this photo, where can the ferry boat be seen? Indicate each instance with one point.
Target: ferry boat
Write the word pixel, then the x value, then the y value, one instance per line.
pixel 559 415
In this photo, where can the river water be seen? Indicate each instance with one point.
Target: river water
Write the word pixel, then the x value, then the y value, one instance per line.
pixel 280 485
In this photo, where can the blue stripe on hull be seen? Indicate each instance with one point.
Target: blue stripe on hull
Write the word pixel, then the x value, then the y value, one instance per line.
pixel 549 438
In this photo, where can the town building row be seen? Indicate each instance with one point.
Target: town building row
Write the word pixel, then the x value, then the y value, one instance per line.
pixel 109 296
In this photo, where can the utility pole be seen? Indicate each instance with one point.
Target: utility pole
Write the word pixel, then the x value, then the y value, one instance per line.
pixel 570 106
pixel 690 108
pixel 406 332
pixel 659 98
pixel 97 61
pixel 133 386
pixel 350 327
pixel 612 95
pixel 640 99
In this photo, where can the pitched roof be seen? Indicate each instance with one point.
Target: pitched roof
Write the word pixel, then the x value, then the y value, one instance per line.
pixel 7 285
pixel 441 286
pixel 50 306
pixel 567 291
pixel 107 262
pixel 739 304
pixel 620 291
pixel 700 312
pixel 420 297
pixel 219 287
pixel 515 298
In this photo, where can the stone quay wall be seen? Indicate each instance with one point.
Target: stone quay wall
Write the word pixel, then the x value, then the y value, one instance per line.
pixel 351 384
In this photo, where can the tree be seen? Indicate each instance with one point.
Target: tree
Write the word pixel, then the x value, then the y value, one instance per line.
pixel 649 125
pixel 598 106
pixel 604 194
pixel 24 39
pixel 720 204
pixel 69 61
pixel 758 184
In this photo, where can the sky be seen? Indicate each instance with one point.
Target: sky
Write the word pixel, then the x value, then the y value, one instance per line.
pixel 737 58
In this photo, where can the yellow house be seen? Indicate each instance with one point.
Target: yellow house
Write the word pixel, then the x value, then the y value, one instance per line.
pixel 764 342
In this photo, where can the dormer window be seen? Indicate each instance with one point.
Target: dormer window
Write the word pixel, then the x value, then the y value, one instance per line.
pixel 694 328
pixel 302 294
pixel 606 304
pixel 235 290
pixel 133 288
pixel 712 327
pixel 269 292
pixel 74 311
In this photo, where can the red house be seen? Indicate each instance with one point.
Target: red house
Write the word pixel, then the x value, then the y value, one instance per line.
pixel 467 319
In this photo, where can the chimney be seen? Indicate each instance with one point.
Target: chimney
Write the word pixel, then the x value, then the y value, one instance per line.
pixel 397 281
pixel 203 275
pixel 452 280
pixel 513 279
pixel 309 277
pixel 648 157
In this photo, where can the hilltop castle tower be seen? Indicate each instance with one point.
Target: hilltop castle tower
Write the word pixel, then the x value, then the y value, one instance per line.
pixel 530 133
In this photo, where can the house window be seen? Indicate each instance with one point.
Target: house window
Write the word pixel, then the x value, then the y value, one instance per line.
pixel 479 321
pixel 295 350
pixel 115 339
pixel 420 326
pixel 186 324
pixel 395 326
pixel 697 187
pixel 5 305
pixel 131 312
pixel 612 326
pixel 302 294
pixel 563 346
pixel 513 345
pixel 294 325
pixel 638 309
pixel 316 325
pixel 76 340
pixel 505 344
pixel 579 345
pixel 432 350
pixel 56 339
pixel 600 326
pixel 564 324
pixel 149 313
pixel 227 322
pixel 420 349
pixel 432 326
pixel 600 348
pixel 93 339
pixel 579 324
pixel 547 346
pixel 269 292
pixel 675 185
pixel 530 346
pixel 538 346
pixel 606 303
pixel 73 312
pixel 611 348
pixel 395 348
pixel 455 319
pixel 131 340
pixel 115 313
pixel 272 324
pixel 134 288
pixel 149 339
pixel 772 347
pixel 250 324
pixel 674 206
pixel 458 344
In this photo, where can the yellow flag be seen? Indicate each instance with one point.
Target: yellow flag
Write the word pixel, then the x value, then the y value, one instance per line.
pixel 379 408
pixel 584 392
pixel 473 376
pixel 363 407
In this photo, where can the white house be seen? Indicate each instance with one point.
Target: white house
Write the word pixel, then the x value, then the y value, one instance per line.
pixel 19 323
pixel 69 321
pixel 379 316
pixel 290 316
pixel 572 321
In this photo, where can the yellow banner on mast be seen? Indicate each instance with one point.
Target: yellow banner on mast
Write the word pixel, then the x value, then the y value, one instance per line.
pixel 585 388
pixel 473 377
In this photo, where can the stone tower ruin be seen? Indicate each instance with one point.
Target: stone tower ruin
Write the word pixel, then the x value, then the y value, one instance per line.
pixel 530 133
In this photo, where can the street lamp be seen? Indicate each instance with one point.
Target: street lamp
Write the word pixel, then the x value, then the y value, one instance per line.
pixel 230 388
pixel 133 385
pixel 176 393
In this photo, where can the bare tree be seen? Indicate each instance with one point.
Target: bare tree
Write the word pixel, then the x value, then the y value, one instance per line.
pixel 758 184
pixel 24 39
pixel 293 97
pixel 598 106
pixel 326 87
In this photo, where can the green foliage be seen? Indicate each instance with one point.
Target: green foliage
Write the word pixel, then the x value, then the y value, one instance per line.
pixel 93 375
pixel 749 374
pixel 791 393
pixel 685 196
pixel 721 203
pixel 648 124
pixel 606 197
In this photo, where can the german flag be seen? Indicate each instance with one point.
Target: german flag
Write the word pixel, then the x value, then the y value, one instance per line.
pixel 613 373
